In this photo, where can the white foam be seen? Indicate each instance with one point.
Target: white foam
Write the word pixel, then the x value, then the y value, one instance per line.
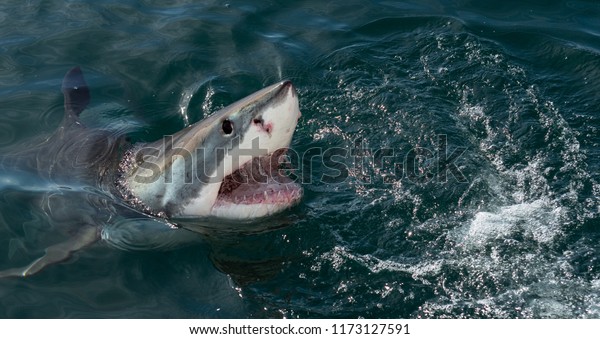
pixel 538 220
pixel 339 255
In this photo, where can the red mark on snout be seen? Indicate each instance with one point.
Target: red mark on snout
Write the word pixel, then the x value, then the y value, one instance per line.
pixel 268 127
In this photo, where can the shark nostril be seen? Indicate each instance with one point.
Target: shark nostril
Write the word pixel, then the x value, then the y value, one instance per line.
pixel 267 127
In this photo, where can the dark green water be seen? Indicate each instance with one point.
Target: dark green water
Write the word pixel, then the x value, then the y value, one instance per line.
pixel 507 228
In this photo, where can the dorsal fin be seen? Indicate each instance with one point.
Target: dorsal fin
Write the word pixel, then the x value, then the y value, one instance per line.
pixel 76 92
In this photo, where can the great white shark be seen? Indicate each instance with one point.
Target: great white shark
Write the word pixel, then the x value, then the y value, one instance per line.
pixel 226 166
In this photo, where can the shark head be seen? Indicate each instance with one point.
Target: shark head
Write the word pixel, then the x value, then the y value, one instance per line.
pixel 225 166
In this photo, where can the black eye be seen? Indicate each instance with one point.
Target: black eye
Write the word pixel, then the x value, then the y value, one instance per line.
pixel 258 121
pixel 227 126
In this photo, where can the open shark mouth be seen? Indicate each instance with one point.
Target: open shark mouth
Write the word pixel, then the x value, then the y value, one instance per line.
pixel 256 187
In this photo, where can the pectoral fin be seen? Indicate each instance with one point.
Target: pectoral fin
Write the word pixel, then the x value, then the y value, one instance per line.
pixel 56 253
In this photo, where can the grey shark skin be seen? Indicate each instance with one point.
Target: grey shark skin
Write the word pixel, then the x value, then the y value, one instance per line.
pixel 223 167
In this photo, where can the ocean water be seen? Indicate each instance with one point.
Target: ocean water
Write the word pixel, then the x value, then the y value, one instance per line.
pixel 448 151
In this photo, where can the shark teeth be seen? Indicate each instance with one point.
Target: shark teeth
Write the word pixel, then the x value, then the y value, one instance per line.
pixel 267 202
pixel 273 194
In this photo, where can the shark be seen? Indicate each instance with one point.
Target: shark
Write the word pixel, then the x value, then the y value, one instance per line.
pixel 227 167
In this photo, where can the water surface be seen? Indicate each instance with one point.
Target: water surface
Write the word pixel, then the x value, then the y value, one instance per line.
pixel 507 93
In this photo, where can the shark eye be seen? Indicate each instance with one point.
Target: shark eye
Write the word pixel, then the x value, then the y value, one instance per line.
pixel 227 126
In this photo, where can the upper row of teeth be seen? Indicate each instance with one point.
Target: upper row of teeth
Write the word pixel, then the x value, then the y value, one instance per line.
pixel 293 195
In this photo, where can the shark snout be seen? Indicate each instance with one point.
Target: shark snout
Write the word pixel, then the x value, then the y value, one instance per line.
pixel 280 116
